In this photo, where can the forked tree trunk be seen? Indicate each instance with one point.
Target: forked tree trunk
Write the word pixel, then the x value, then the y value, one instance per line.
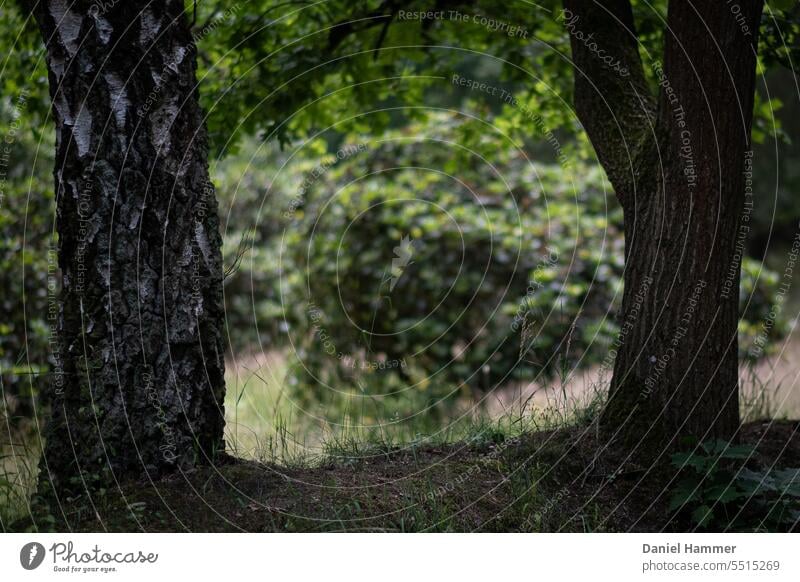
pixel 141 389
pixel 677 164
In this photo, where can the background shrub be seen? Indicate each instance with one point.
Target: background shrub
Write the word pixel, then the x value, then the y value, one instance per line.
pixel 403 272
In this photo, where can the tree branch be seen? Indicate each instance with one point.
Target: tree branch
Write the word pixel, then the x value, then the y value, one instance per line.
pixel 612 99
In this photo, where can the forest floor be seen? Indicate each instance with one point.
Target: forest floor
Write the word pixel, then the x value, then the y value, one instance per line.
pixel 544 481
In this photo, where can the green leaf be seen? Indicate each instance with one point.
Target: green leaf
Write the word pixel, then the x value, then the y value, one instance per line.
pixel 702 515
pixel 686 491
pixel 755 483
pixel 787 482
pixel 738 452
pixel 695 461
pixel 724 493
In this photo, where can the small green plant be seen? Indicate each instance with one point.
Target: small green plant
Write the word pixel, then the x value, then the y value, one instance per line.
pixel 719 492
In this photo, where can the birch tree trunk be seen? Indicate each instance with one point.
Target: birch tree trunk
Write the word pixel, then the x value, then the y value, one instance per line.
pixel 142 385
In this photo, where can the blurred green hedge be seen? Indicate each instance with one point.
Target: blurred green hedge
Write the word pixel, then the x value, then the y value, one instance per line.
pixel 407 270
pixel 29 276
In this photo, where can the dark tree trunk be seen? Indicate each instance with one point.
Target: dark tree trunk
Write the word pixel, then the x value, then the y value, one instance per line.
pixel 142 385
pixel 677 164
